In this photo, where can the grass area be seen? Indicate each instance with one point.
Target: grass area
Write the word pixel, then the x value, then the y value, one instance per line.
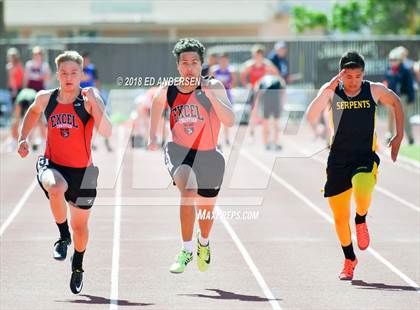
pixel 411 151
pixel 118 118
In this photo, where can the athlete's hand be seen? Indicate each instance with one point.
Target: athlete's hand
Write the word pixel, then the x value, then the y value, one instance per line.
pixel 152 145
pixel 206 87
pixel 394 144
pixel 335 80
pixel 23 148
pixel 88 94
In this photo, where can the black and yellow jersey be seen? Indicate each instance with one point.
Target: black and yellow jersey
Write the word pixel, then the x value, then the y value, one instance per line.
pixel 353 122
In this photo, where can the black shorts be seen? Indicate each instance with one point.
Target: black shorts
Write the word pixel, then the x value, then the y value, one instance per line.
pixel 341 171
pixel 208 166
pixel 82 182
pixel 270 101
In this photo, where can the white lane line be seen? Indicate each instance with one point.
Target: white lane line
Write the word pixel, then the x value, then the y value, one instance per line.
pixel 261 282
pixel 327 217
pixel 117 226
pixel 18 207
pixel 378 188
pixel 397 198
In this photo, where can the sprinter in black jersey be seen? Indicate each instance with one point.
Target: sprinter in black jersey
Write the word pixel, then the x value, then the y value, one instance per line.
pixel 353 163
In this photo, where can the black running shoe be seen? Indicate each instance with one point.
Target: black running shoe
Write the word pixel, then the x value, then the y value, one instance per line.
pixel 76 281
pixel 60 248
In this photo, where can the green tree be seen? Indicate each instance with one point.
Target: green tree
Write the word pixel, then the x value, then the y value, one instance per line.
pixel 306 19
pixel 348 17
pixel 390 16
pixel 379 16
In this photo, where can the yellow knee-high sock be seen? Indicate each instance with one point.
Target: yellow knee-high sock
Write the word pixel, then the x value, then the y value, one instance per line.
pixel 363 184
pixel 340 206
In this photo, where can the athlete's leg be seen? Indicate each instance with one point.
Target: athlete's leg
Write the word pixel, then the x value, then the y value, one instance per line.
pixel 276 130
pixel 340 206
pixel 186 182
pixel 205 206
pixel 55 184
pixel 266 131
pixel 79 224
pixel 363 184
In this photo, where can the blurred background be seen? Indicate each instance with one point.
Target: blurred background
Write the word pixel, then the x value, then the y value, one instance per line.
pixel 132 39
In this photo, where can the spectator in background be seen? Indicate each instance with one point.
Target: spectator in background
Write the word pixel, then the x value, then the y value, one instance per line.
pixel 37 71
pixel 416 70
pixel 15 72
pixel 22 103
pixel 37 77
pixel 90 79
pixel 404 54
pixel 270 94
pixel 398 78
pixel 225 74
pixel 14 69
pixel 90 75
pixel 212 59
pixel 278 56
pixel 253 70
pixel 141 119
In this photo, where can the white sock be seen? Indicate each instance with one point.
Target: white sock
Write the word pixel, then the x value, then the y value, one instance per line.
pixel 203 241
pixel 187 246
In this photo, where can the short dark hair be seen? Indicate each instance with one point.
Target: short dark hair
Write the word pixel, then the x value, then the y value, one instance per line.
pixel 85 54
pixel 352 60
pixel 188 45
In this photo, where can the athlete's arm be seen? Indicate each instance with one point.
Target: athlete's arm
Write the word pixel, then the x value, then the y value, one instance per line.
pixel 158 106
pixel 388 97
pixel 96 107
pixel 30 119
pixel 216 93
pixel 322 99
pixel 321 102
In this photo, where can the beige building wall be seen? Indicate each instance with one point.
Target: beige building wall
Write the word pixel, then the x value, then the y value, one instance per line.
pixel 165 19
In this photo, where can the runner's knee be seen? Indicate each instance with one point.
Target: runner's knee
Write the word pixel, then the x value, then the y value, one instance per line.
pixel 56 189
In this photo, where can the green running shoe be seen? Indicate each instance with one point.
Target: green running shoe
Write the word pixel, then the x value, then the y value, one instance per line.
pixel 203 255
pixel 181 261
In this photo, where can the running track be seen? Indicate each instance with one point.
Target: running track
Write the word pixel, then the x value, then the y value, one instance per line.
pixel 287 258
